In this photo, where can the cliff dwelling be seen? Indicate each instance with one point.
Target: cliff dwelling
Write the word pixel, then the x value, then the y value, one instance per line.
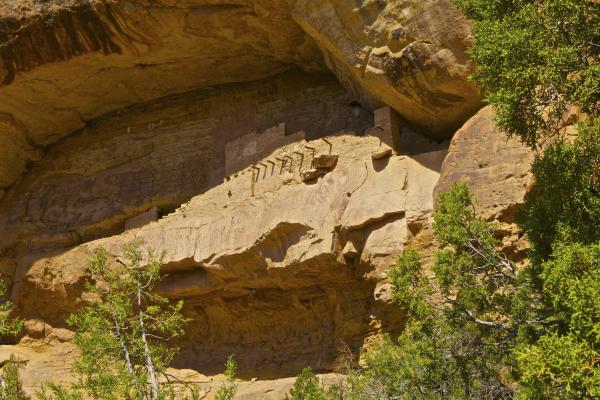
pixel 281 153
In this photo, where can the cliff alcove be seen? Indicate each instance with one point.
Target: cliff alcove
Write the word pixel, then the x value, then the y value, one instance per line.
pixel 192 124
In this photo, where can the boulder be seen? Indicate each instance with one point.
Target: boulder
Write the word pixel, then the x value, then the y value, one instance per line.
pixel 311 174
pixel 380 154
pixel 496 167
pixel 325 161
pixel 497 170
pixel 409 55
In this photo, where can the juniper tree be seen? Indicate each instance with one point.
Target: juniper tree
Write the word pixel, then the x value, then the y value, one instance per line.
pixel 10 385
pixel 565 361
pixel 307 386
pixel 564 201
pixel 562 220
pixel 535 59
pixel 9 326
pixel 480 328
pixel 464 314
pixel 125 333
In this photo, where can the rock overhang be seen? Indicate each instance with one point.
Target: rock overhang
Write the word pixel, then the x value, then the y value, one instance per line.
pixel 259 259
pixel 65 63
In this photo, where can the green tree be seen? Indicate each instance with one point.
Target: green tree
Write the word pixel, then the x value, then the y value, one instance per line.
pixel 228 389
pixel 565 362
pixel 476 323
pixel 478 327
pixel 463 315
pixel 307 387
pixel 535 59
pixel 562 220
pixel 564 201
pixel 125 334
pixel 11 387
pixel 9 326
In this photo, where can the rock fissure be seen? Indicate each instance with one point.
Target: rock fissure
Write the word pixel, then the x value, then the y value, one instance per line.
pixel 376 219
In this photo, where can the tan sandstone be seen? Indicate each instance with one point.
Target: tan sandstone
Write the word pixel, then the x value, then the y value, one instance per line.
pixel 497 169
pixel 260 263
pixel 160 154
pixel 195 125
pixel 64 63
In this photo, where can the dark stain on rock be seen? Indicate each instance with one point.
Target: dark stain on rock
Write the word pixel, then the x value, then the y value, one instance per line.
pixel 57 37
pixel 407 66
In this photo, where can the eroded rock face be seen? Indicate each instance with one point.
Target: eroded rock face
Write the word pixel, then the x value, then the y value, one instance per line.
pixel 64 63
pixel 124 109
pixel 160 154
pixel 259 259
pixel 497 169
pixel 409 55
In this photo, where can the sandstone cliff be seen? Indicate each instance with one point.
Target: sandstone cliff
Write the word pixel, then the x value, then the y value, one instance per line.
pixel 65 62
pixel 199 126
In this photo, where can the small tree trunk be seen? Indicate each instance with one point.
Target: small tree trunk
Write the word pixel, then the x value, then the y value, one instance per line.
pixel 124 349
pixel 2 385
pixel 122 344
pixel 149 364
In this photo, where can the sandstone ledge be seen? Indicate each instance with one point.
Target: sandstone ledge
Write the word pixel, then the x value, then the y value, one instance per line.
pixel 260 263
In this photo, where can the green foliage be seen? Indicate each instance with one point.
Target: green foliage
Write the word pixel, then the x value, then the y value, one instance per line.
pixel 51 391
pixel 12 388
pixel 476 322
pixel 478 327
pixel 422 365
pixel 10 385
pixel 125 333
pixel 9 326
pixel 228 390
pixel 534 59
pixel 476 281
pixel 565 362
pixel 463 315
pixel 562 220
pixel 307 387
pixel 380 379
pixel 564 202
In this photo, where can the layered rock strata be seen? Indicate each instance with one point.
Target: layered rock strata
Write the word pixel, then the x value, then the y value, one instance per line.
pixel 64 63
pixel 259 259
pixel 160 154
pixel 273 123
pixel 282 272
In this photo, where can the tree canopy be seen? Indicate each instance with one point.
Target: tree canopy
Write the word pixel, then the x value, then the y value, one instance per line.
pixel 535 59
pixel 125 333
